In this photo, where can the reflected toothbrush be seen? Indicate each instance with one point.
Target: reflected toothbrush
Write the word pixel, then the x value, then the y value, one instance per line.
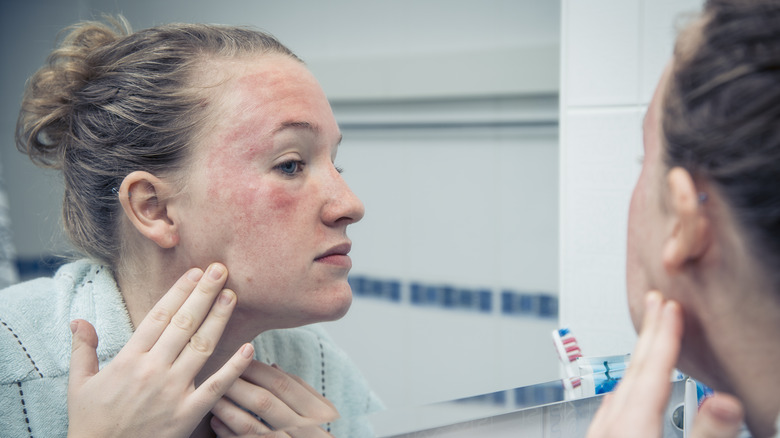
pixel 568 352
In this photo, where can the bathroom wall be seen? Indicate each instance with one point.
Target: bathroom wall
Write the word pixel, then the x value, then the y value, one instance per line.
pixel 612 54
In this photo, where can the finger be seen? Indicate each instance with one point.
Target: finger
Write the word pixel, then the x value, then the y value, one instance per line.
pixel 265 405
pixel 657 348
pixel 83 356
pixel 312 391
pixel 663 347
pixel 650 323
pixel 308 432
pixel 204 341
pixel 720 416
pixel 647 380
pixel 642 349
pixel 190 315
pixel 279 398
pixel 155 322
pixel 209 392
pixel 606 401
pixel 237 420
pixel 220 428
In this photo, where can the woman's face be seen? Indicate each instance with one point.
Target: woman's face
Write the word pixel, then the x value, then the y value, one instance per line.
pixel 644 270
pixel 265 198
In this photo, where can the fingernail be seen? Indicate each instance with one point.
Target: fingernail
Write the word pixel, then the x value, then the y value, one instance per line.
pixel 652 301
pixel 226 297
pixel 670 307
pixel 74 325
pixel 247 350
pixel 215 272
pixel 194 274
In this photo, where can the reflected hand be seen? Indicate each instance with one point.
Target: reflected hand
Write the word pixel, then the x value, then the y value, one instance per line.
pixel 287 405
pixel 149 389
pixel 639 402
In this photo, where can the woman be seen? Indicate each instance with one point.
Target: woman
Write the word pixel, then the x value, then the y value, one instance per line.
pixel 704 229
pixel 180 146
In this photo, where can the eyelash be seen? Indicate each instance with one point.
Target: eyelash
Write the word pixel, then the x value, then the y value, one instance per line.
pixel 298 167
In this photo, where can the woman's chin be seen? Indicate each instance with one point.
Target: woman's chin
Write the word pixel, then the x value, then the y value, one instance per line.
pixel 331 309
pixel 338 307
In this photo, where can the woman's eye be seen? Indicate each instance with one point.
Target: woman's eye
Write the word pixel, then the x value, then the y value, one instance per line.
pixel 290 167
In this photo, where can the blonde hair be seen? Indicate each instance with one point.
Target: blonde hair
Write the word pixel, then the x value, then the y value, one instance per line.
pixel 109 101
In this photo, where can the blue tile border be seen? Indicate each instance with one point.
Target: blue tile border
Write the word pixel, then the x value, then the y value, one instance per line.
pixel 450 297
pixel 389 290
pixel 34 267
pixel 522 397
pixel 529 304
pixel 498 398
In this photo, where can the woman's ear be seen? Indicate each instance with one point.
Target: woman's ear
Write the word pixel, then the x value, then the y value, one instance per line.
pixel 144 200
pixel 691 234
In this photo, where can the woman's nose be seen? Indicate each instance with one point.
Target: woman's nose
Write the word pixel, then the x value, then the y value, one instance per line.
pixel 343 207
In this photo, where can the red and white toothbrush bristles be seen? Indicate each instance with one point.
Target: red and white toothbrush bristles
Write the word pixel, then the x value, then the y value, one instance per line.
pixel 568 352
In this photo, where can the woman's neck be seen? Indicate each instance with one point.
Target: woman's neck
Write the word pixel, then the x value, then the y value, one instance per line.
pixel 732 314
pixel 741 354
pixel 752 356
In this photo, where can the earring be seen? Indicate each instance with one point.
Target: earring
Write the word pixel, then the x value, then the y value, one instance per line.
pixel 115 191
pixel 702 197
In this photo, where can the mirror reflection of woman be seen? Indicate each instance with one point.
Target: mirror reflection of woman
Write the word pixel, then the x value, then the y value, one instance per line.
pixel 704 230
pixel 201 150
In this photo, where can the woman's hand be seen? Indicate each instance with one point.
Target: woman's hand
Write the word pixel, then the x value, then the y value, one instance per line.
pixel 636 408
pixel 149 389
pixel 287 405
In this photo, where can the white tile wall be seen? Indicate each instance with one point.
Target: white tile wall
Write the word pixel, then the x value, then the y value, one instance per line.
pixel 661 20
pixel 452 211
pixel 527 242
pixel 613 52
pixel 600 49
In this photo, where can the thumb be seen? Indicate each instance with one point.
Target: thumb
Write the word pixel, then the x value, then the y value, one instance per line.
pixel 83 356
pixel 720 416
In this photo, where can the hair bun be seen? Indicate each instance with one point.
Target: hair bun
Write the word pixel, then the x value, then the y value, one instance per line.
pixel 51 94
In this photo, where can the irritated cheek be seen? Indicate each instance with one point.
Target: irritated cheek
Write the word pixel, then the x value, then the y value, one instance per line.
pixel 253 203
pixel 284 202
pixel 256 208
pixel 264 221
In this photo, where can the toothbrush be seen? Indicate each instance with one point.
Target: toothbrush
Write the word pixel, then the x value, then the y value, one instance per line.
pixel 568 352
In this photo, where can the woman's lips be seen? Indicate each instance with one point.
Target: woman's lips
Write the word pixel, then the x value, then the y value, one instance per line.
pixel 337 256
pixel 337 260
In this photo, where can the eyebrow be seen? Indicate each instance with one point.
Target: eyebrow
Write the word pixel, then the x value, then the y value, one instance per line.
pixel 302 125
pixel 297 125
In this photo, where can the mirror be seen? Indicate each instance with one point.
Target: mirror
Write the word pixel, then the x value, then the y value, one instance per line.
pixel 454 268
pixel 449 113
